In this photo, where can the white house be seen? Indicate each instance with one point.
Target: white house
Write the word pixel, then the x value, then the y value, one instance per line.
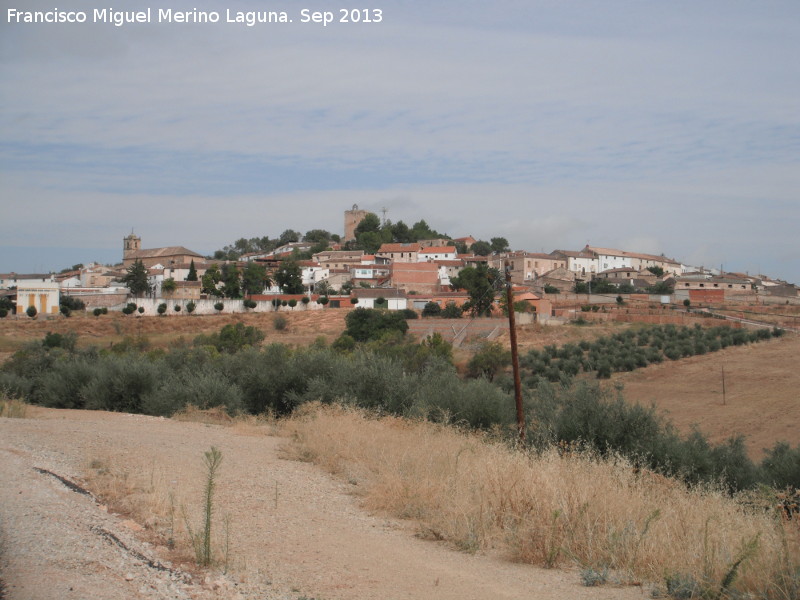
pixel 43 295
pixel 434 253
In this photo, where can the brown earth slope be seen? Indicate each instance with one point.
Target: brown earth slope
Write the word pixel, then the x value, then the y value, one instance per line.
pixel 294 531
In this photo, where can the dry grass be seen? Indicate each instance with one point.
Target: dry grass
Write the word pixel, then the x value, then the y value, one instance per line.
pixel 551 509
pixel 12 408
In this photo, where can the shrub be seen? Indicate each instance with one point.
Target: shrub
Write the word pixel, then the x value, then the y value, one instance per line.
pixel 431 309
pixel 369 324
pixel 177 308
pixel 72 303
pixel 551 289
pixel 66 341
pixel 162 308
pixel 231 338
pixel 204 390
pixel 409 314
pixel 141 310
pixel 292 303
pixel 489 360
pixel 452 311
pixel 97 312
pixel 248 303
pixel 219 306
pixel 687 303
pixel 279 322
pixel 353 301
pixel 380 302
pixel 306 299
pixel 65 311
pixel 190 307
pixel 120 383
pixel 31 311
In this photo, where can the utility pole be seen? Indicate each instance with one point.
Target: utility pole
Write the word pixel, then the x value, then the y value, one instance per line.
pixel 723 386
pixel 515 355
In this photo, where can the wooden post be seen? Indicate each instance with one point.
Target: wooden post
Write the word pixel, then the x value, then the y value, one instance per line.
pixel 723 386
pixel 515 356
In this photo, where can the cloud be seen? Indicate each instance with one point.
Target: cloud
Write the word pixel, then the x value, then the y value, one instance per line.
pixel 667 126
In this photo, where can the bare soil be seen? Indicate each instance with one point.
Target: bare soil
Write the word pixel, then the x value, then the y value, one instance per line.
pixel 294 531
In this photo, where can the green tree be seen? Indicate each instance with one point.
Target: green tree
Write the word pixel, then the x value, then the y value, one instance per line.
pixel 288 236
pixel 136 279
pixel 479 283
pixel 660 287
pixel 370 223
pixel 192 276
pixel 232 282
pixel 489 360
pixel 499 244
pixel 210 280
pixel 481 248
pixel 431 309
pixel 657 271
pixel 289 277
pixel 365 324
pixel 255 278
pixel 169 286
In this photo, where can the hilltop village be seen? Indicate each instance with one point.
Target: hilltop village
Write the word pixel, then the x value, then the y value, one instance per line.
pixel 374 263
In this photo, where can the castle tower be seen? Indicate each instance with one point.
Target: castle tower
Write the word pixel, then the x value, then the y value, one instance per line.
pixel 352 218
pixel 132 243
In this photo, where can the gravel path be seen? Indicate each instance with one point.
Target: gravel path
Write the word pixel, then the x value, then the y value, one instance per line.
pixel 294 530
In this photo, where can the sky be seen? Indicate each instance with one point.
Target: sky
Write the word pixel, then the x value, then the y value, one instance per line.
pixel 656 127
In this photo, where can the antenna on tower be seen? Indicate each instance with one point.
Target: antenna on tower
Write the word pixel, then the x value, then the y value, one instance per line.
pixel 384 210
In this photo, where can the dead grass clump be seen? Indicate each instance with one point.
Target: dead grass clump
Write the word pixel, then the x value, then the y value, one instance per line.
pixel 210 416
pixel 242 424
pixel 552 509
pixel 13 408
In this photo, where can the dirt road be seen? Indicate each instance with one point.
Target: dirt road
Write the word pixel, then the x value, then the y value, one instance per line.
pixel 294 531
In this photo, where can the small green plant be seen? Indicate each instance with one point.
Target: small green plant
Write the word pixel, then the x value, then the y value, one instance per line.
pixel 279 322
pixel 3 313
pixel 177 308
pixel 353 301
pixel 681 586
pixel 305 300
pixel 219 306
pixel 190 308
pixel 141 310
pixel 591 577
pixel 201 540
pixel 31 311
pixel 292 303
pixel 97 312
pixel 687 303
pixel 162 308
pixel 65 310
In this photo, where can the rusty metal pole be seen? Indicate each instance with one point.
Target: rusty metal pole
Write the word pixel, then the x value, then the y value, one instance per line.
pixel 515 356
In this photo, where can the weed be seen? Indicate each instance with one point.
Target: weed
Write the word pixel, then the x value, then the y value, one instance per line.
pixel 201 540
pixel 591 577
pixel 12 408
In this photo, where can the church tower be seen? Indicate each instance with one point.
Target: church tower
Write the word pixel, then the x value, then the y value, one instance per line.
pixel 132 243
pixel 352 218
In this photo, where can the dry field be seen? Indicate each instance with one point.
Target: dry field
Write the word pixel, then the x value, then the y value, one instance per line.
pixel 762 392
